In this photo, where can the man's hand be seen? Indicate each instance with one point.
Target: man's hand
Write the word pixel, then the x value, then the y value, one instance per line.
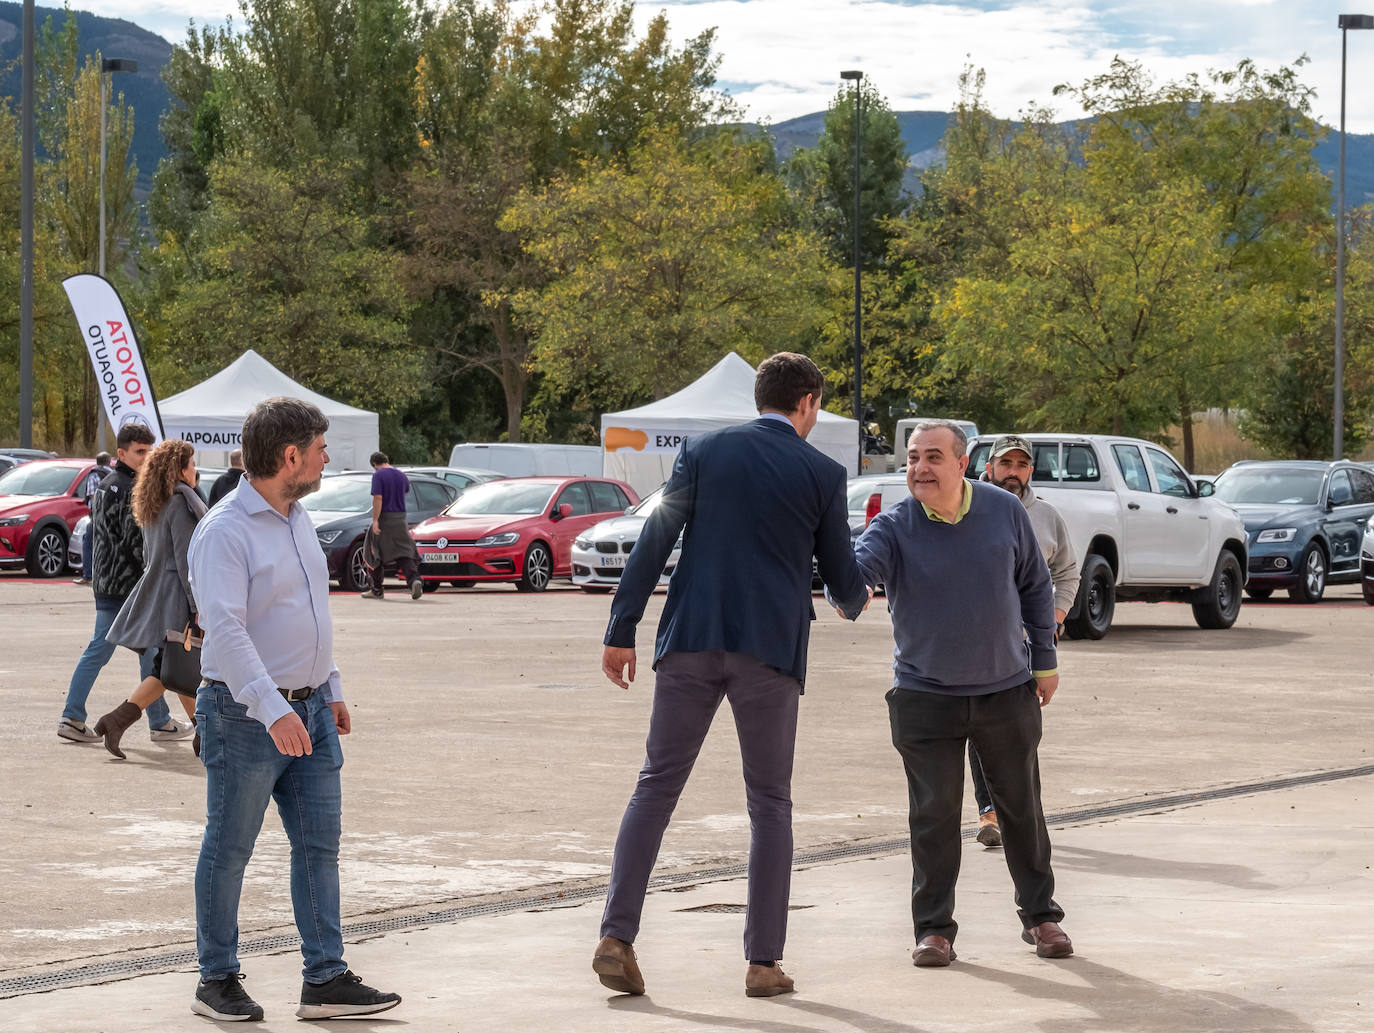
pixel 1045 687
pixel 290 736
pixel 342 721
pixel 614 661
pixel 861 608
pixel 377 527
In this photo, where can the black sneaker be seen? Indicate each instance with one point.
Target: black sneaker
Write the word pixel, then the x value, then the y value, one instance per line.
pixel 345 994
pixel 225 999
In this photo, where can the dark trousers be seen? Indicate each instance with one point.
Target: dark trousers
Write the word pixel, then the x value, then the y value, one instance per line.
pixel 687 692
pixel 930 731
pixel 981 795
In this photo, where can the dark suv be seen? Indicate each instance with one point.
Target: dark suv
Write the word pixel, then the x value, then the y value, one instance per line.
pixel 1305 519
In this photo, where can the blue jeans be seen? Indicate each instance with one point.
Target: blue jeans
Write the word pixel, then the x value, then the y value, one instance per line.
pixel 243 771
pixel 97 655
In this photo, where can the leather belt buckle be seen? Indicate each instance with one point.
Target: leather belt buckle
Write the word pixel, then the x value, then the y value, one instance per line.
pixel 296 695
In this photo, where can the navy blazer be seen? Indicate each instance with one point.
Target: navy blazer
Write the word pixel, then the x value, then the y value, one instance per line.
pixel 753 504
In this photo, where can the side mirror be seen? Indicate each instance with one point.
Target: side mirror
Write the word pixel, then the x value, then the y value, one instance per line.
pixel 563 512
pixel 1206 490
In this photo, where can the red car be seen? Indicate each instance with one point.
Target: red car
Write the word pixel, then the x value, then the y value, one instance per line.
pixel 40 503
pixel 520 529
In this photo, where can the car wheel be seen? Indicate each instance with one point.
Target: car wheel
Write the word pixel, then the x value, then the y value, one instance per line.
pixel 1311 584
pixel 353 572
pixel 1259 594
pixel 47 553
pixel 430 586
pixel 595 589
pixel 538 569
pixel 1096 601
pixel 1220 604
pixel 1368 588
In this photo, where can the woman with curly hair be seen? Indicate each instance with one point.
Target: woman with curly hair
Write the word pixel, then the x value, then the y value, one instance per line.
pixel 167 507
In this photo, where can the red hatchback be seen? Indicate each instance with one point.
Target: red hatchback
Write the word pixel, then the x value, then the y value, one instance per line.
pixel 40 503
pixel 520 529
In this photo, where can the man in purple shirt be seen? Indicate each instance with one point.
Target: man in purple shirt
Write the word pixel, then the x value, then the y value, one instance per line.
pixel 390 533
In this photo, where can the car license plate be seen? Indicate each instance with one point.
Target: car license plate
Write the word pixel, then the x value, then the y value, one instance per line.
pixel 439 557
pixel 612 561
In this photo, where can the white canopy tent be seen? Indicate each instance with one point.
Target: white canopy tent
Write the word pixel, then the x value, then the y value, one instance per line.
pixel 639 445
pixel 210 415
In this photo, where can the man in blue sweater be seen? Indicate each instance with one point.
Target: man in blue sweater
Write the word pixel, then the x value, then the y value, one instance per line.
pixel 973 617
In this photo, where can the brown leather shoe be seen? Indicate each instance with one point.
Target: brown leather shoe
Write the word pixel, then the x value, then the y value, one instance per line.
pixel 615 965
pixel 989 834
pixel 763 981
pixel 933 951
pixel 1050 940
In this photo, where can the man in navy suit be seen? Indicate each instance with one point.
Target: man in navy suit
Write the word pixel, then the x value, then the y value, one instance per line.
pixel 753 504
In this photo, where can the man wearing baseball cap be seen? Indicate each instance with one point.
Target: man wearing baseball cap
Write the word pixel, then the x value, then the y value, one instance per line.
pixel 1010 465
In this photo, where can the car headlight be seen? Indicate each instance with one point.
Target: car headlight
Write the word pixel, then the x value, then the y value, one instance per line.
pixel 582 543
pixel 504 538
pixel 14 521
pixel 1277 534
pixel 328 537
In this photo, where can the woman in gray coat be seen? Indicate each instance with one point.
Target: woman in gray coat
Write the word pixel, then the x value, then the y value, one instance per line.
pixel 167 507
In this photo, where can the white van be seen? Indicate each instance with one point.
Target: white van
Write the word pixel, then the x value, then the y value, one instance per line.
pixel 530 460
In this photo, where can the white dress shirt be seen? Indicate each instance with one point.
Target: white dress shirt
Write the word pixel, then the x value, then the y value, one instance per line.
pixel 262 583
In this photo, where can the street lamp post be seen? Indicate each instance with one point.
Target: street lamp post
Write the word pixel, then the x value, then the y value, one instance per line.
pixel 1343 22
pixel 107 65
pixel 26 238
pixel 856 76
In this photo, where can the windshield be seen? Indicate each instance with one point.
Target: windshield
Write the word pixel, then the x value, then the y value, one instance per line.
pixel 340 495
pixel 1271 487
pixel 37 480
pixel 507 498
pixel 648 503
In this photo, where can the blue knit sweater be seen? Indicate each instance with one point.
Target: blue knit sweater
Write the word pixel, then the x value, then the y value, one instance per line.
pixel 972 602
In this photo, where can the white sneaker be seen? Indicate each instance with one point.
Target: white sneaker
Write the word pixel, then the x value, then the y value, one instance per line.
pixel 75 731
pixel 417 588
pixel 172 731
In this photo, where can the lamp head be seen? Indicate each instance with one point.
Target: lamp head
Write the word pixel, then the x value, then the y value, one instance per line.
pixel 856 74
pixel 118 64
pixel 1355 21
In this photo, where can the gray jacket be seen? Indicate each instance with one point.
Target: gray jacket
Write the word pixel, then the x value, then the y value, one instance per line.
pixel 1053 536
pixel 162 599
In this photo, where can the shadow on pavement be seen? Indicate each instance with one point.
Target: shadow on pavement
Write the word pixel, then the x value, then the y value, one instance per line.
pixel 646 1006
pixel 1123 1003
pixel 1135 866
pixel 1154 638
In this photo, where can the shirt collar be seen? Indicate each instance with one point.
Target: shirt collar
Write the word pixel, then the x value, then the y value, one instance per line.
pixel 252 501
pixel 776 416
pixel 963 507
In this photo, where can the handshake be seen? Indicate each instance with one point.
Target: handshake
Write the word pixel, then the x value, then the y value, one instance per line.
pixel 841 612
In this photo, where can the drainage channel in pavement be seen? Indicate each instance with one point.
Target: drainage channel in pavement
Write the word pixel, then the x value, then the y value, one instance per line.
pixel 545 897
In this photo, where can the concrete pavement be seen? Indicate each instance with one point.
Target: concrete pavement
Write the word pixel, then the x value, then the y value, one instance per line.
pixel 490 758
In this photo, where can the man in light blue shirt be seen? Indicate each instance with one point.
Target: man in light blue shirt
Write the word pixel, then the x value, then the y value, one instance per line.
pixel 271 711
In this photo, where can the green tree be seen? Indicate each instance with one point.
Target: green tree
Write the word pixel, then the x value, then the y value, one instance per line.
pixel 506 104
pixel 290 272
pixel 823 177
pixel 662 264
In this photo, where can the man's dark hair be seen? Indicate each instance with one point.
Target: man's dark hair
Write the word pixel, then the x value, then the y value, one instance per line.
pixel 132 433
pixel 784 380
pixel 378 458
pixel 272 426
pixel 103 459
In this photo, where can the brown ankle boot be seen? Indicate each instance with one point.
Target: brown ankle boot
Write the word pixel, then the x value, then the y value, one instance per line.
pixel 114 724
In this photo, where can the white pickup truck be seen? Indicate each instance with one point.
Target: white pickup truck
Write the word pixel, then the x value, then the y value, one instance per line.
pixel 1140 528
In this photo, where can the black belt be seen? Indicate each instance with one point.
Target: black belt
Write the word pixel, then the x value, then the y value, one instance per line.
pixel 296 695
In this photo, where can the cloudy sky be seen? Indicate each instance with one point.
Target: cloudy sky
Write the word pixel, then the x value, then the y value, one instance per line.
pixel 782 58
